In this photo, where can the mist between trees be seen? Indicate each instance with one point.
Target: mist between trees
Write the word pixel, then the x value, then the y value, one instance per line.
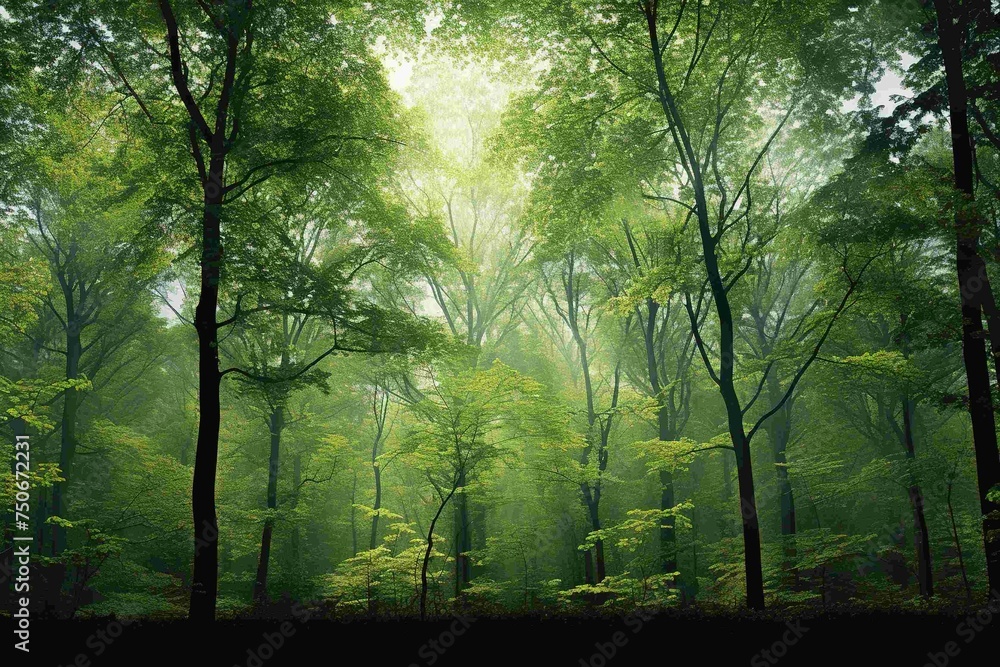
pixel 426 309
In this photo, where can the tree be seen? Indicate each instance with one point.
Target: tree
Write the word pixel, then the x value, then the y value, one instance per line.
pixel 464 424
pixel 223 89
pixel 312 308
pixel 569 285
pixel 693 67
pixel 82 211
pixel 953 23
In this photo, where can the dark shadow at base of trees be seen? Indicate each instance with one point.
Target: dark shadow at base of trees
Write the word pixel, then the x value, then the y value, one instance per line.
pixel 841 637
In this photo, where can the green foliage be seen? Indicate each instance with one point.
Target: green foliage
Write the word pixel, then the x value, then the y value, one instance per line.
pixel 480 267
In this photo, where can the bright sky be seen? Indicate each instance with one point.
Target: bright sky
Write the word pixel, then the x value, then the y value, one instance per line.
pixel 889 85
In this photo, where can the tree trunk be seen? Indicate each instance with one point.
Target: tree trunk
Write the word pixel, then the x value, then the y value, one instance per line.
pixel 598 433
pixel 958 546
pixel 478 534
pixel 921 538
pixel 463 540
pixel 720 294
pixel 779 428
pixel 668 532
pixel 594 559
pixel 427 556
pixel 260 585
pixel 779 432
pixel 354 513
pixel 67 445
pixel 293 543
pixel 751 528
pixel 972 276
pixel 373 541
pixel 205 579
pixel 205 582
pixel 380 415
pixel 668 538
pixel 734 415
pixel 599 560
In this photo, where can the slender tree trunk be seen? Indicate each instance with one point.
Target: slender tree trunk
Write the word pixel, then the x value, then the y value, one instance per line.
pixel 373 541
pixel 478 536
pixel 668 539
pixel 277 425
pixel 205 582
pixel 597 435
pixel 720 294
pixel 595 524
pixel 734 414
pixel 218 135
pixel 354 512
pixel 779 442
pixel 779 432
pixel 380 416
pixel 293 543
pixel 921 538
pixel 427 555
pixel 958 546
pixel 463 540
pixel 599 560
pixel 779 428
pixel 751 528
pixel 972 276
pixel 67 445
pixel 668 532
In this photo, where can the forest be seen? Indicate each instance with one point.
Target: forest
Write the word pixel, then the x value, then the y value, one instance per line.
pixel 417 308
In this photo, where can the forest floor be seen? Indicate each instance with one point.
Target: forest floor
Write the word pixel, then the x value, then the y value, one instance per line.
pixel 667 638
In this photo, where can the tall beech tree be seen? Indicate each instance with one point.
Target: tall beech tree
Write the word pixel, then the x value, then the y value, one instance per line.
pixel 82 209
pixel 703 71
pixel 570 288
pixel 953 37
pixel 312 302
pixel 955 22
pixel 900 320
pixel 215 76
pixel 467 422
pixel 478 276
